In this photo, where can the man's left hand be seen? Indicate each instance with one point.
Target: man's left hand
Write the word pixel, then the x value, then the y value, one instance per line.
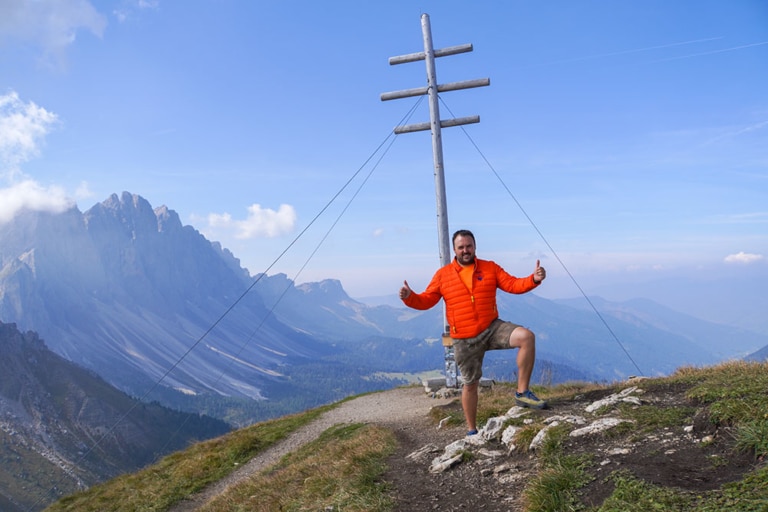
pixel 539 274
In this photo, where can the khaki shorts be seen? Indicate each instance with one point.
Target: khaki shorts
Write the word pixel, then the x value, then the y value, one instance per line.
pixel 469 352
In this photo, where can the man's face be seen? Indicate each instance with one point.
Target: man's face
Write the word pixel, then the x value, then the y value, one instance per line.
pixel 464 247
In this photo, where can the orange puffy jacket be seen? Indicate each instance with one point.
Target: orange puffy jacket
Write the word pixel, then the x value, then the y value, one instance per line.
pixel 469 312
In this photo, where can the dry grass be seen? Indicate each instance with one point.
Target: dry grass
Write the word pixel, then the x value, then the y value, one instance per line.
pixel 339 471
pixel 180 474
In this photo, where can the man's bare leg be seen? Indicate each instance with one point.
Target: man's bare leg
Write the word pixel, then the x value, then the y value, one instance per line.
pixel 469 403
pixel 525 341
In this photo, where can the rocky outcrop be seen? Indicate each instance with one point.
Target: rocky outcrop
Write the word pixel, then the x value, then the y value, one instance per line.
pixel 498 436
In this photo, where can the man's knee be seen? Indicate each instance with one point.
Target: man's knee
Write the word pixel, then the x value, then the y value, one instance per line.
pixel 522 337
pixel 471 387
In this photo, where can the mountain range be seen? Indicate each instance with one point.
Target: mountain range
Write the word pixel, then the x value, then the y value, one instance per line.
pixel 128 292
pixel 63 428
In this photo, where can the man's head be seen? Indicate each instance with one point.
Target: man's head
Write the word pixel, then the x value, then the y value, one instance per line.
pixel 464 247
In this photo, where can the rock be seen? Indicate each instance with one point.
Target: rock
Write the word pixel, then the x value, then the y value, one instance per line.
pixel 493 428
pixel 439 465
pixel 571 418
pixel 539 438
pixel 622 396
pixel 516 412
pixel 492 454
pixel 598 426
pixel 503 468
pixel 508 436
pixel 422 452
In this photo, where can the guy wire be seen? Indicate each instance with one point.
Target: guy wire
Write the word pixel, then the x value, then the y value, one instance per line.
pixel 544 239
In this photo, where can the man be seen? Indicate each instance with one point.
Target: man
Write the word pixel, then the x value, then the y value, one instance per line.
pixel 468 287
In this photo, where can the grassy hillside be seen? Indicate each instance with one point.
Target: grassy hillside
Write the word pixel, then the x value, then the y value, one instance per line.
pixel 345 468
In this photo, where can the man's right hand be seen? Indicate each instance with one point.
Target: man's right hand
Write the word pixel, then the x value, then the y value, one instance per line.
pixel 405 291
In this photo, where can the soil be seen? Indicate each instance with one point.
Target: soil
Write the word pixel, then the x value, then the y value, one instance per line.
pixel 493 479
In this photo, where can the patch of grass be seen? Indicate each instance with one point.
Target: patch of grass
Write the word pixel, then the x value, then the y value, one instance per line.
pixel 525 435
pixel 514 422
pixel 495 402
pixel 737 394
pixel 605 410
pixel 752 436
pixel 736 391
pixel 653 417
pixel 718 461
pixel 455 415
pixel 572 389
pixel 748 495
pixel 180 474
pixel 552 446
pixel 341 470
pixel 556 487
pixel 634 495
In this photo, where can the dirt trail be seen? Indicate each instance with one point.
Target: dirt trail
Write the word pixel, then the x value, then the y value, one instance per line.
pixel 403 409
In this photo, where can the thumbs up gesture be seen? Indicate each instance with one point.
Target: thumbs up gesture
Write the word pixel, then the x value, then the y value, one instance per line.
pixel 539 274
pixel 405 291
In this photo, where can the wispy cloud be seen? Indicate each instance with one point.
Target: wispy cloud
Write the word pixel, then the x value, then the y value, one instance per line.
pixel 743 258
pixel 51 25
pixel 129 8
pixel 741 218
pixel 628 52
pixel 23 128
pixel 260 222
pixel 30 195
pixel 731 132
pixel 712 52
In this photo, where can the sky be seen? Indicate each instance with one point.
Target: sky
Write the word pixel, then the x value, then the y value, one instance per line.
pixel 620 143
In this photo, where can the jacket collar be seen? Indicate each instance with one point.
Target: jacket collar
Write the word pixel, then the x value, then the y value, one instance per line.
pixel 457 267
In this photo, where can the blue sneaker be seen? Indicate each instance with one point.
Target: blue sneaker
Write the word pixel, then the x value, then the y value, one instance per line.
pixel 472 432
pixel 528 399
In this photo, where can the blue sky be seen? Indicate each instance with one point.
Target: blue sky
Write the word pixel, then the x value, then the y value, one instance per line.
pixel 633 134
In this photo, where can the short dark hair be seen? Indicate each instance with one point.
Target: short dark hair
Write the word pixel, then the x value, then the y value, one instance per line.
pixel 462 232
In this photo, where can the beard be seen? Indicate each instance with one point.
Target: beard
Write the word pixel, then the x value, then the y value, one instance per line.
pixel 465 259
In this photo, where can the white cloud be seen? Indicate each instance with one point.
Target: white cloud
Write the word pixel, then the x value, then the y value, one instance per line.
pixel 743 258
pixel 51 25
pixel 261 222
pixel 129 8
pixel 30 195
pixel 83 191
pixel 23 127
